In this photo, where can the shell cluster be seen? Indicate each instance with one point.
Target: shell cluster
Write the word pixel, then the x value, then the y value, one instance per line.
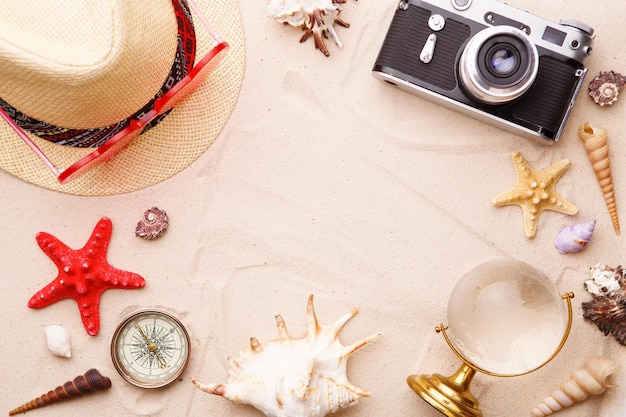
pixel 606 86
pixel 317 18
pixel 59 340
pixel 153 224
pixel 294 377
pixel 592 379
pixel 595 140
pixel 89 382
pixel 608 307
pixel 574 238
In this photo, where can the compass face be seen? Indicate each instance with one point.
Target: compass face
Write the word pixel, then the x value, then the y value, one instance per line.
pixel 150 349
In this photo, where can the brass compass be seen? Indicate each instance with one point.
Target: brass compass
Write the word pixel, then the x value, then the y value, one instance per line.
pixel 150 348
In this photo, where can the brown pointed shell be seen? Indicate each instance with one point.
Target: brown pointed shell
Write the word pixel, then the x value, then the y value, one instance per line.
pixel 89 382
pixel 595 140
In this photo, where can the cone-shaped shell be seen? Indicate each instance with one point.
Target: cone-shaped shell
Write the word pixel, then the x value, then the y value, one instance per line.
pixel 574 238
pixel 596 145
pixel 294 377
pixel 592 379
pixel 91 381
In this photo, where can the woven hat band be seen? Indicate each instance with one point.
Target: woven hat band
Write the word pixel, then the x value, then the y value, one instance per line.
pixel 66 62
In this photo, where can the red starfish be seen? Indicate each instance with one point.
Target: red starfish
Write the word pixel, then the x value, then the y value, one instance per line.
pixel 84 274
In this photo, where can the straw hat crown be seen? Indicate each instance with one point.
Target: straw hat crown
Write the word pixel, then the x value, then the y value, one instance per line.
pixel 84 63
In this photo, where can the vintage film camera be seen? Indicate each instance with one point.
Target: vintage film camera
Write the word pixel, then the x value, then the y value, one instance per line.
pixel 489 60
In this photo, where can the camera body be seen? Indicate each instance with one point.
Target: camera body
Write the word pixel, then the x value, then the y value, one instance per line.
pixel 489 60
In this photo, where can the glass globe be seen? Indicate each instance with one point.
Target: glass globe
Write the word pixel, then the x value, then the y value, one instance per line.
pixel 506 317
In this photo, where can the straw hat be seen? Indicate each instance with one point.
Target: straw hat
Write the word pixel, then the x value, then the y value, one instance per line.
pixel 81 65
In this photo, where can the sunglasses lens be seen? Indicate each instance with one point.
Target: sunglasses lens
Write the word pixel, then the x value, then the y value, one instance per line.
pixel 101 155
pixel 195 77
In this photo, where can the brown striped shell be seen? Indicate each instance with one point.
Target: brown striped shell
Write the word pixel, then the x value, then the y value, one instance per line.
pixel 91 381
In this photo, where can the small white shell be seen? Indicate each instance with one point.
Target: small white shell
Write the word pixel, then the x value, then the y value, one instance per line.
pixel 574 238
pixel 59 340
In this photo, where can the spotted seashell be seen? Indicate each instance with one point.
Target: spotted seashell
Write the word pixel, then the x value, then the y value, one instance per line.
pixel 59 340
pixel 574 238
pixel 294 377
pixel 152 225
pixel 605 87
pixel 607 310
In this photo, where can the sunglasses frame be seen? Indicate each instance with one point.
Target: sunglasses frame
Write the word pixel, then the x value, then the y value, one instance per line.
pixel 135 127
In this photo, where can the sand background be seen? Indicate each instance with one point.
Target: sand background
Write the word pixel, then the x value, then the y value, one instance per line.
pixel 324 181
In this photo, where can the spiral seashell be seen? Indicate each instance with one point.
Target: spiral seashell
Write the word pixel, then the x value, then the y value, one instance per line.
pixel 294 377
pixel 592 379
pixel 595 141
pixel 574 238
pixel 605 87
pixel 58 340
pixel 153 224
pixel 91 381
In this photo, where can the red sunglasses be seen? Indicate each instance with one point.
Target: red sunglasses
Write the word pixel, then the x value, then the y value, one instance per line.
pixel 161 105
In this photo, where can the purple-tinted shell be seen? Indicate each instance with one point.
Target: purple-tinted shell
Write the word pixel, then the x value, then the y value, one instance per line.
pixel 574 238
pixel 153 224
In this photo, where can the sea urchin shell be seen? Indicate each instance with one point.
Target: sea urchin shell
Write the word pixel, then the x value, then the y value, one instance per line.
pixel 153 224
pixel 294 377
pixel 605 87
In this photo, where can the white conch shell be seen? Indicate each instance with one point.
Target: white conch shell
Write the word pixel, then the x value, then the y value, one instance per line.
pixel 315 17
pixel 574 238
pixel 59 340
pixel 592 379
pixel 294 377
pixel 596 145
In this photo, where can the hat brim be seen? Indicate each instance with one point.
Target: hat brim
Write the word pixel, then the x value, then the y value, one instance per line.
pixel 168 148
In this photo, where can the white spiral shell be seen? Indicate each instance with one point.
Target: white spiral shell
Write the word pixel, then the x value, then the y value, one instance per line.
pixel 59 340
pixel 294 377
pixel 574 238
pixel 592 379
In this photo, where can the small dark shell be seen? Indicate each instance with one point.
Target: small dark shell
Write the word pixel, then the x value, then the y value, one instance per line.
pixel 91 381
pixel 152 225
pixel 605 87
pixel 609 314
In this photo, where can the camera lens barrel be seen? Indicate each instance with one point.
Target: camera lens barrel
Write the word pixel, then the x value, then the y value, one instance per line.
pixel 498 64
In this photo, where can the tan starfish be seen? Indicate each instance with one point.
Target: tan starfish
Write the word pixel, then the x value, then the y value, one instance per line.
pixel 535 191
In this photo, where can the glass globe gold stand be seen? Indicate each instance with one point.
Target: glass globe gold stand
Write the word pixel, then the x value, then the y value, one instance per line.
pixel 451 394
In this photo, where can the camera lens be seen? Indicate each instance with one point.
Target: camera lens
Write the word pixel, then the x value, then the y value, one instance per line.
pixel 498 65
pixel 502 60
